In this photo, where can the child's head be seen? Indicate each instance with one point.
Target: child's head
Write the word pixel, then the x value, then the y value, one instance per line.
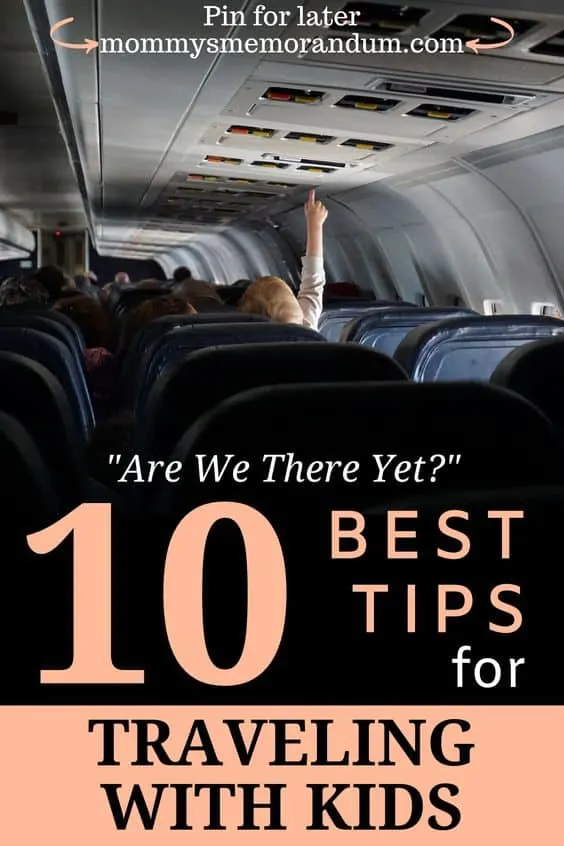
pixel 271 297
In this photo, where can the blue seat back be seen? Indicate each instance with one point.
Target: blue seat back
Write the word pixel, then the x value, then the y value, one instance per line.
pixel 335 318
pixel 470 348
pixel 44 321
pixel 135 359
pixel 34 397
pixel 177 344
pixel 384 330
pixel 56 357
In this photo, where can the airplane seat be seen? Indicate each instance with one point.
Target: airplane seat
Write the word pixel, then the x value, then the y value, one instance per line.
pixel 179 343
pixel 339 290
pixel 491 434
pixel 129 298
pixel 54 355
pixel 469 347
pixel 536 371
pixel 336 316
pixel 384 330
pixel 136 357
pixel 36 399
pixel 28 498
pixel 115 292
pixel 65 320
pixel 189 388
pixel 43 322
pixel 351 302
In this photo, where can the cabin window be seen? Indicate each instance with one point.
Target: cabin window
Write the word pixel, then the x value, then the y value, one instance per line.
pixel 546 310
pixel 493 307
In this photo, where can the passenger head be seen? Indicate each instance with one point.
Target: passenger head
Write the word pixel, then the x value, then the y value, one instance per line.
pixel 90 318
pixel 150 310
pixel 83 284
pixel 233 293
pixel 52 279
pixel 149 285
pixel 202 295
pixel 122 278
pixel 271 297
pixel 181 273
pixel 14 292
pixel 105 292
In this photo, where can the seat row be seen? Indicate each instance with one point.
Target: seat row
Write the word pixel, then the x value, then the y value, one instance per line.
pixel 162 363
pixel 290 433
pixel 438 344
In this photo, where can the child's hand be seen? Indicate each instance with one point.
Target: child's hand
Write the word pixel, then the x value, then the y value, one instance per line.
pixel 315 211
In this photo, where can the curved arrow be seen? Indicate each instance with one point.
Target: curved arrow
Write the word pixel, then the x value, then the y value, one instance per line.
pixel 476 46
pixel 89 43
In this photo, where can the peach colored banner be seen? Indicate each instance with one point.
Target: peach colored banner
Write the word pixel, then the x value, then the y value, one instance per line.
pixel 510 792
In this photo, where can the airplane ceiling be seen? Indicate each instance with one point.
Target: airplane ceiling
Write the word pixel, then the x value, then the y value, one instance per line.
pixel 37 183
pixel 170 146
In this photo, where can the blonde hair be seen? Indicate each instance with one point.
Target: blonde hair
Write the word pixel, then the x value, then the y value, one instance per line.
pixel 271 297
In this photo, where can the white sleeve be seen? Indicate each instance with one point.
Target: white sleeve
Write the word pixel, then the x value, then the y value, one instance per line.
pixel 310 295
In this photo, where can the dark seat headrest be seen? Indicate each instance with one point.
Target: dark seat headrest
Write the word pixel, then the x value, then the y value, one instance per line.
pixel 494 433
pixel 57 358
pixel 191 387
pixel 536 371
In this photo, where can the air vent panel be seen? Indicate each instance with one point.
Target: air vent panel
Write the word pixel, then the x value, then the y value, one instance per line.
pixel 440 112
pixel 380 18
pixel 309 137
pixel 467 95
pixel 313 169
pixel 254 131
pixel 484 28
pixel 274 165
pixel 204 177
pixel 299 96
pixel 223 160
pixel 553 46
pixel 314 163
pixel 374 146
pixel 369 104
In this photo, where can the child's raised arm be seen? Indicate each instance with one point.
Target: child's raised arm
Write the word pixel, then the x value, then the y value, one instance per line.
pixel 310 295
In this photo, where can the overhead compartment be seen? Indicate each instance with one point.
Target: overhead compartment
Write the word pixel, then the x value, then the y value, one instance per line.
pixel 15 238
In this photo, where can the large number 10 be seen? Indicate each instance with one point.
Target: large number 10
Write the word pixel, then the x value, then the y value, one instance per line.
pixel 92 663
